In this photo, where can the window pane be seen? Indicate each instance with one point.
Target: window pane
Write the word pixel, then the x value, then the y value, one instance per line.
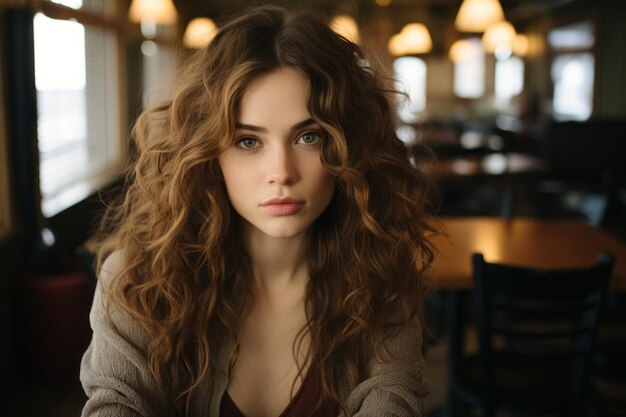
pixel 77 121
pixel 572 77
pixel 575 36
pixel 61 95
pixel 74 4
pixel 159 67
pixel 509 78
pixel 101 7
pixel 410 74
pixel 469 72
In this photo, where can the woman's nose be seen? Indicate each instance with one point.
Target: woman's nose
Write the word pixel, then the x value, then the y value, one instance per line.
pixel 283 167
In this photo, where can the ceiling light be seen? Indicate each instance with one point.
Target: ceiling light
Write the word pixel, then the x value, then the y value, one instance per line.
pixel 412 40
pixel 345 26
pixel 153 11
pixel 497 35
pixel 477 15
pixel 520 45
pixel 463 50
pixel 199 33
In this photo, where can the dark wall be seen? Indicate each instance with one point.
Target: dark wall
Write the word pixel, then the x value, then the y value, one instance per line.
pixel 611 101
pixel 22 253
pixel 11 261
pixel 12 247
pixel 589 150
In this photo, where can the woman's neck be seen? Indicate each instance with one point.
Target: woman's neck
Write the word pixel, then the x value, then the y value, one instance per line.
pixel 278 264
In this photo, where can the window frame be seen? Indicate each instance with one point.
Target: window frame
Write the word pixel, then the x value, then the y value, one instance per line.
pixel 409 111
pixel 483 79
pixel 503 101
pixel 568 17
pixel 114 22
pixel 6 215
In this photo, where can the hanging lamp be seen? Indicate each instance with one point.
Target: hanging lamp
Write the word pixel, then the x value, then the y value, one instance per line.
pixel 346 26
pixel 153 11
pixel 477 15
pixel 462 50
pixel 413 39
pixel 499 34
pixel 520 45
pixel 199 33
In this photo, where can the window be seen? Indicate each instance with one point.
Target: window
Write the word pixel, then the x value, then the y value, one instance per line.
pixel 572 77
pixel 78 103
pixel 159 67
pixel 5 214
pixel 95 7
pixel 572 71
pixel 509 78
pixel 469 71
pixel 411 79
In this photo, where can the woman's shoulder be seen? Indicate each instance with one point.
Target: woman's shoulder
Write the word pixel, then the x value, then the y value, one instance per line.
pixel 111 266
pixel 115 370
pixel 402 344
pixel 396 384
pixel 107 272
pixel 108 313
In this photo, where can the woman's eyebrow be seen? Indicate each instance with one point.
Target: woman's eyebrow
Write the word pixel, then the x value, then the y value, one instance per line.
pixel 260 129
pixel 303 123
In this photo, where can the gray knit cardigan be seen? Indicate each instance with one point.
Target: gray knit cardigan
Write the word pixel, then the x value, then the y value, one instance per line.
pixel 116 378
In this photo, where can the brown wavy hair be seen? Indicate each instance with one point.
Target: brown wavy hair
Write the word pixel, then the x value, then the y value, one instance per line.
pixel 186 275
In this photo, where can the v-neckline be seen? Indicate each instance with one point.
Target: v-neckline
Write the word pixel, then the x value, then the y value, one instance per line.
pixel 233 407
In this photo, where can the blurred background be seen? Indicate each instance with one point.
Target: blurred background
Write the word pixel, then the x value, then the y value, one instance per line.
pixel 522 101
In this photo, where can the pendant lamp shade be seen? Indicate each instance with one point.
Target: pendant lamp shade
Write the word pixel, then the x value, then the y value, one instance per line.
pixel 498 34
pixel 346 26
pixel 153 11
pixel 462 50
pixel 199 33
pixel 412 40
pixel 477 15
pixel 520 45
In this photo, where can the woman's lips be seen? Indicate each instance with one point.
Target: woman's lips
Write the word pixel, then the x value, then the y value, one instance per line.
pixel 283 206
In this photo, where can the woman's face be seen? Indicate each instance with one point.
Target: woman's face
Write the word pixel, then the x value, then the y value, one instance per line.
pixel 273 173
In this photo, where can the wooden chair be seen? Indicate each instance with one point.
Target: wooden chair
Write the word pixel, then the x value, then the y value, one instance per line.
pixel 535 335
pixel 607 387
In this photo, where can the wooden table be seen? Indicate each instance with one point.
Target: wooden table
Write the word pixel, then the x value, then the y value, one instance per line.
pixel 511 174
pixel 495 164
pixel 522 241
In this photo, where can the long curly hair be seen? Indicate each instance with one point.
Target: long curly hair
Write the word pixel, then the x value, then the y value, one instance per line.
pixel 186 275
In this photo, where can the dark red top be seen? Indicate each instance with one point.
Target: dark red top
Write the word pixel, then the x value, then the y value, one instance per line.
pixel 302 402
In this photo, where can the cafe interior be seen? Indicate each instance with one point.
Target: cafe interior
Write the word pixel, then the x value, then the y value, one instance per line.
pixel 515 108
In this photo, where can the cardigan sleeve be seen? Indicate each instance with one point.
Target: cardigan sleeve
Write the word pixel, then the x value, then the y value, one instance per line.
pixel 396 386
pixel 114 370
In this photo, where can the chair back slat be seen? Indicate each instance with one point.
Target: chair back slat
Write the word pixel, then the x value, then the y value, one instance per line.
pixel 529 311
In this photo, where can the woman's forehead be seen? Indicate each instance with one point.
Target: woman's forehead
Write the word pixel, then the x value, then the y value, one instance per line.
pixel 281 94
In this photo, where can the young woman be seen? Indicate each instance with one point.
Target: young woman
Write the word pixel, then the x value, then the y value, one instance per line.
pixel 267 257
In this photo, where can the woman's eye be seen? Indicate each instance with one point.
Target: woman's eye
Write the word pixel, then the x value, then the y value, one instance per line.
pixel 309 138
pixel 247 143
